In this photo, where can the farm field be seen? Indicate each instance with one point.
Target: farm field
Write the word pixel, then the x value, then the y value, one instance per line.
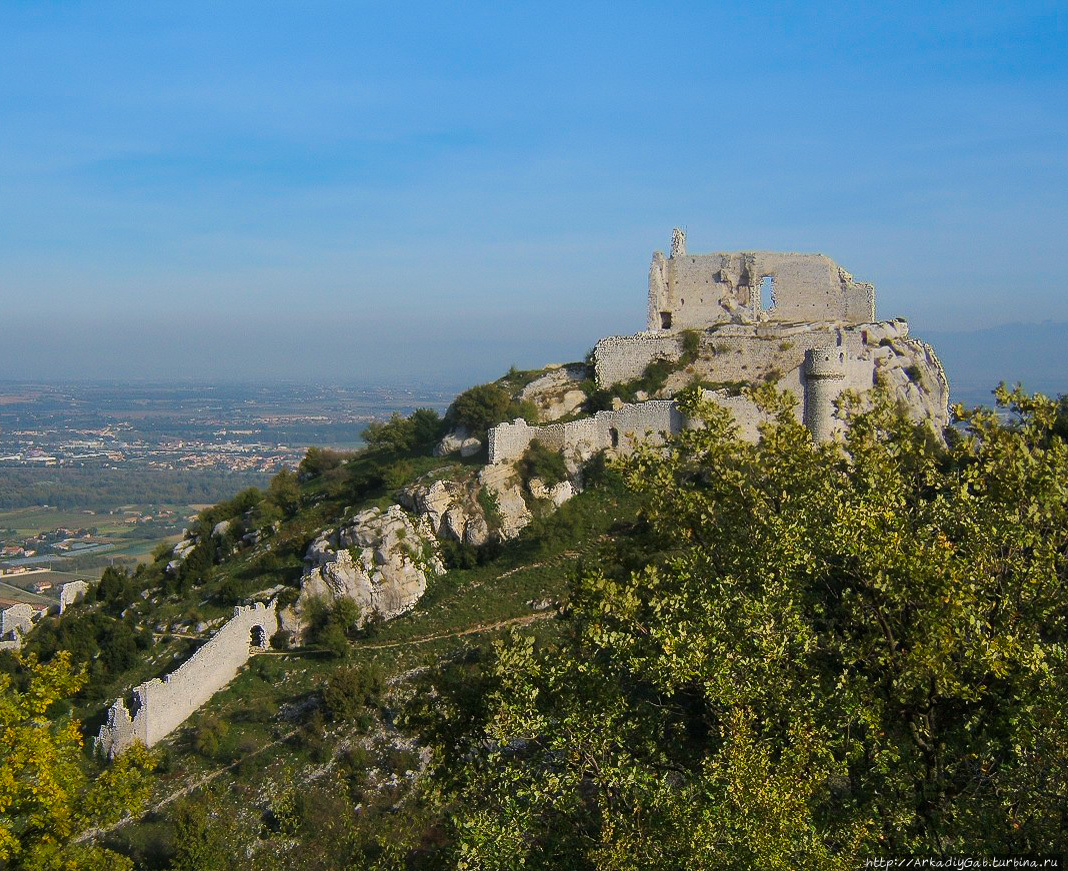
pixel 125 535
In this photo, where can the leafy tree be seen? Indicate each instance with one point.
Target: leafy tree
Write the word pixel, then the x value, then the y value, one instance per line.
pixel 201 843
pixel 209 735
pixel 46 796
pixel 284 491
pixel 115 589
pixel 400 435
pixel 318 462
pixel 485 406
pixel 842 650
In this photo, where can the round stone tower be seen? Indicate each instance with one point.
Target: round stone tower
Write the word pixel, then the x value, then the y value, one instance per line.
pixel 824 373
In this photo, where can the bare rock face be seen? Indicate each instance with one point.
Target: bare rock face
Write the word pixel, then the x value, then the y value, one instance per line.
pixel 432 500
pixel 470 447
pixel 503 484
pixel 452 443
pixel 476 531
pixel 558 494
pixel 181 550
pixel 453 511
pixel 557 394
pixel 378 559
pixel 911 370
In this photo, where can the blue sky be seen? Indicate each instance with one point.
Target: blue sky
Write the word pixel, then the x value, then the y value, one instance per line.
pixel 356 190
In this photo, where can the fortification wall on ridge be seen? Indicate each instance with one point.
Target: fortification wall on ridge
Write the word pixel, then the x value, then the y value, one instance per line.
pixel 70 593
pixel 619 430
pixel 16 618
pixel 158 707
pixel 736 352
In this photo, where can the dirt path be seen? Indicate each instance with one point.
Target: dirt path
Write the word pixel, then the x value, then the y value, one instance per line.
pixel 177 794
pixel 208 778
pixel 473 630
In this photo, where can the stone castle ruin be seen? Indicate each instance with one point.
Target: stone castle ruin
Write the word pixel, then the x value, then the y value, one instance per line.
pixel 798 321
pixel 155 709
pixel 726 321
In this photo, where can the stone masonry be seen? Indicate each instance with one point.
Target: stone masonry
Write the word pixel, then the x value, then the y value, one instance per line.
pixel 798 321
pixel 158 707
pixel 688 290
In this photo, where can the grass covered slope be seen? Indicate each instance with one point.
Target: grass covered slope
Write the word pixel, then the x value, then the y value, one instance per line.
pixel 721 655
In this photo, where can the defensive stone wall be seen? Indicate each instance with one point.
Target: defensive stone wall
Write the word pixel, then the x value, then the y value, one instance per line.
pixel 158 707
pixel 736 352
pixel 15 621
pixel 619 430
pixel 71 593
pixel 16 618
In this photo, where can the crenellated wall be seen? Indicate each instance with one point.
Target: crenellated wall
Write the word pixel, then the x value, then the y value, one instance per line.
pixel 158 707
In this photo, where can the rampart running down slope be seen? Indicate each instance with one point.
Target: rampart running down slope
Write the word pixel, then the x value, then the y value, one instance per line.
pixel 158 707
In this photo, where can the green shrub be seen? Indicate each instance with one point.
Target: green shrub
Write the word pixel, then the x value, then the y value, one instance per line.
pixel 540 461
pixel 691 346
pixel 209 735
pixel 353 694
pixel 482 407
pixel 317 462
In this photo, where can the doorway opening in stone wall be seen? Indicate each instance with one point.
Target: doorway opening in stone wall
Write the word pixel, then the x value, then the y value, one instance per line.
pixel 258 638
pixel 767 289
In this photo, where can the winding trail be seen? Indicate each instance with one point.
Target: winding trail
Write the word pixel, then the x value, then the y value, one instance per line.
pixel 208 778
pixel 473 630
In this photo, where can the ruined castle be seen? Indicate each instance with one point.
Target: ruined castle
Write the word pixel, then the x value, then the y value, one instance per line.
pixel 798 321
pixel 726 321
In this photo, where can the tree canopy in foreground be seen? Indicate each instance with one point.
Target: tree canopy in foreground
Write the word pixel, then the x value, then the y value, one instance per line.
pixel 841 650
pixel 47 798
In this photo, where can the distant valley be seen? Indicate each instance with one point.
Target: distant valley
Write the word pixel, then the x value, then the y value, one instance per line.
pixel 975 361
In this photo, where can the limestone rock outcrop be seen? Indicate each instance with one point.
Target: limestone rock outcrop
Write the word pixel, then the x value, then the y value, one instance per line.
pixel 380 560
pixel 452 509
pixel 452 443
pixel 557 393
pixel 181 550
pixel 505 488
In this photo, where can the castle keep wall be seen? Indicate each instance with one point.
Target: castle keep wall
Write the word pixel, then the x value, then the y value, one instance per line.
pixel 15 621
pixel 71 593
pixel 697 290
pixel 158 707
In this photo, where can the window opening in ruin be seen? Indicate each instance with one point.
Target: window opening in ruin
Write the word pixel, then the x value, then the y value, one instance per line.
pixel 613 434
pixel 259 637
pixel 766 298
pixel 665 320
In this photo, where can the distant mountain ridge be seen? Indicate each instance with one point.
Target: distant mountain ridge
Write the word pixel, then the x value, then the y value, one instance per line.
pixel 1035 355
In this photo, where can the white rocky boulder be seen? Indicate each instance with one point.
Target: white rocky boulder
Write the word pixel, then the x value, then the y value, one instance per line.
pixel 470 447
pixel 558 494
pixel 379 559
pixel 504 485
pixel 557 393
pixel 452 443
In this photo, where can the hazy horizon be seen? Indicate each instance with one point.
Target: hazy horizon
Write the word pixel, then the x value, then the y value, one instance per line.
pixel 211 191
